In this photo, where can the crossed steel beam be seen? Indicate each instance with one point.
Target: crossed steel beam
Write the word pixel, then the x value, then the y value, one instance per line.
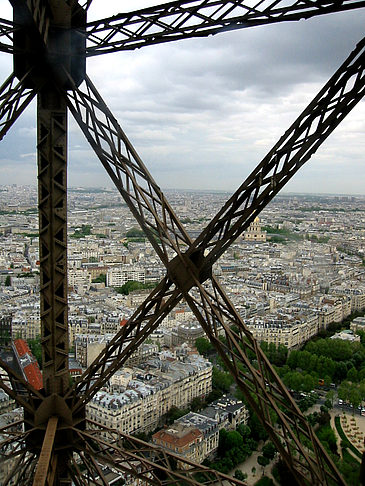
pixel 188 263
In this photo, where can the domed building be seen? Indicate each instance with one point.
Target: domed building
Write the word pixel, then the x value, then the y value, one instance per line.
pixel 254 232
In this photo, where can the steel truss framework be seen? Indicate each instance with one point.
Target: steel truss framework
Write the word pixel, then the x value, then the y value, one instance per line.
pixel 55 444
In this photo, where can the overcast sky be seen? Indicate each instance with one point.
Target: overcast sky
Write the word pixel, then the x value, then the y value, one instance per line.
pixel 202 113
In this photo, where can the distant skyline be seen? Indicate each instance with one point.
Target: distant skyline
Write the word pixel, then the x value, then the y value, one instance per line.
pixel 202 113
pixel 283 193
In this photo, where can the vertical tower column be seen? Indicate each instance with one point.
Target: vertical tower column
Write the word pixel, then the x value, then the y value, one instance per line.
pixel 52 204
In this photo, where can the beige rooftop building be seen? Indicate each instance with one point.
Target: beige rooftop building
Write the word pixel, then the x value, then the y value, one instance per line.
pixel 254 232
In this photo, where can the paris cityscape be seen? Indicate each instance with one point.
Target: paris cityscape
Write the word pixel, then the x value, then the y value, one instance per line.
pixel 196 336
pixel 296 277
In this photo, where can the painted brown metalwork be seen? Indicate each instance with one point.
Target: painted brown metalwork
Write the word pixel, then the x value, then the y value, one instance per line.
pixel 52 204
pixel 49 42
pixel 43 470
pixel 145 461
pixel 40 11
pixel 333 102
pixel 287 156
pixel 14 98
pixel 198 18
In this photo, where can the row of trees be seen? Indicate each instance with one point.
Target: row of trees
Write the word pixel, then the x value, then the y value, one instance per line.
pixel 133 285
pixel 336 361
pixel 351 392
pixel 327 359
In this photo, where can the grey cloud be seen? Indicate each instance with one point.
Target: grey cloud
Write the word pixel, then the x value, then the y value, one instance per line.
pixel 203 112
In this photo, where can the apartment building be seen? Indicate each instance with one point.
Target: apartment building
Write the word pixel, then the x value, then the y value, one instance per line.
pixel 118 276
pixel 288 330
pixel 209 430
pixel 147 394
pixel 358 324
pixel 5 329
pixel 89 346
pixel 356 291
pixel 27 325
pixel 184 441
pixel 228 411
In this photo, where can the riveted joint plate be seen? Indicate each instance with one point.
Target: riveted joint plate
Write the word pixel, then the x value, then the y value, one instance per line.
pixel 60 49
pixel 54 406
pixel 188 269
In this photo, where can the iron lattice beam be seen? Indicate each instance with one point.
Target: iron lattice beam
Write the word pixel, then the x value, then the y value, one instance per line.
pixel 40 46
pixel 325 112
pixel 298 144
pixel 86 4
pixel 22 471
pixel 145 461
pixel 126 169
pixel 6 36
pixel 44 472
pixel 334 101
pixel 145 320
pixel 286 425
pixel 198 18
pixel 14 98
pixel 52 204
pixel 14 449
pixel 41 13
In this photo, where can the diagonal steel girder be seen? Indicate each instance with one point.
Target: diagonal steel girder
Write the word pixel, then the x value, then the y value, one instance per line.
pixel 142 194
pixel 14 448
pixel 198 18
pixel 289 430
pixel 130 456
pixel 14 98
pixel 197 269
pixel 143 460
pixel 326 111
pixel 145 198
pixel 43 469
pixel 6 35
pixel 86 4
pixel 22 471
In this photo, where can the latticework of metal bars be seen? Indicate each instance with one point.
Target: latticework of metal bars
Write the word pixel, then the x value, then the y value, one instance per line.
pixel 57 445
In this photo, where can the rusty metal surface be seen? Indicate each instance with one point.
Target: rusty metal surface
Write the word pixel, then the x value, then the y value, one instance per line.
pixel 126 169
pixel 52 205
pixel 43 464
